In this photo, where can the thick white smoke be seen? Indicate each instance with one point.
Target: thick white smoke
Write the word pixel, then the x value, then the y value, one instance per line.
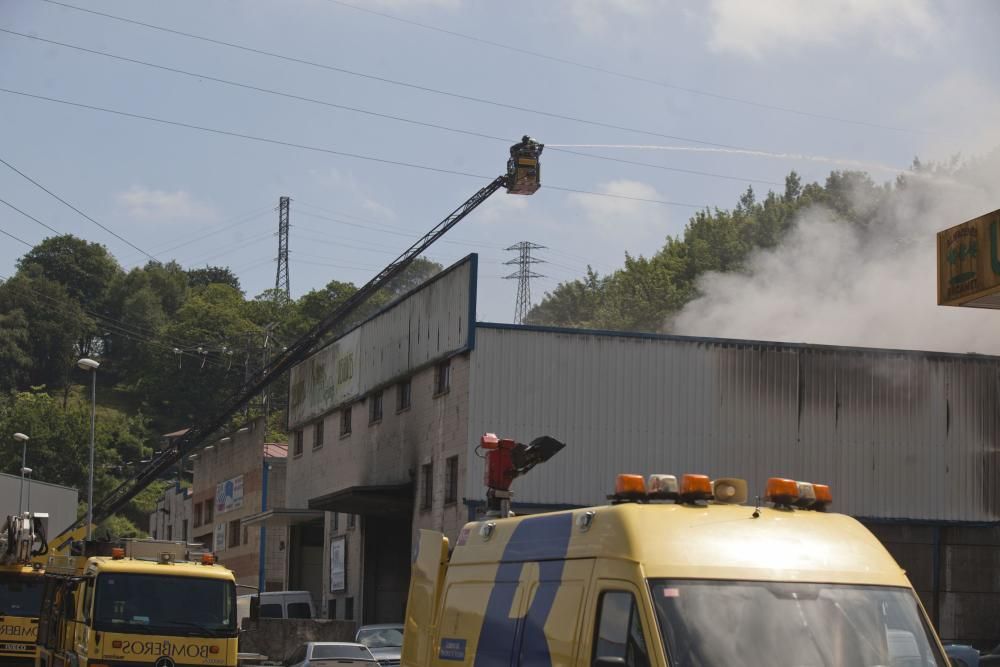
pixel 873 285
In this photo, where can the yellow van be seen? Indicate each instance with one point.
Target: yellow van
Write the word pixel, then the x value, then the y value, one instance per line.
pixel 669 573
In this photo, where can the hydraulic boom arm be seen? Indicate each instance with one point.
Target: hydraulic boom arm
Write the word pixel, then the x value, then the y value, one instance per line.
pixel 522 177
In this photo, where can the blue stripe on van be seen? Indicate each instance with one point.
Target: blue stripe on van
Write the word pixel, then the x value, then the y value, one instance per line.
pixel 546 539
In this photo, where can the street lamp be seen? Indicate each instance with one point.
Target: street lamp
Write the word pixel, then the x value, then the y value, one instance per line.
pixel 23 439
pixel 91 366
pixel 27 471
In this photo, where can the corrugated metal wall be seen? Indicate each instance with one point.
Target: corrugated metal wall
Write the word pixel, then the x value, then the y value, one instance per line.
pixel 905 435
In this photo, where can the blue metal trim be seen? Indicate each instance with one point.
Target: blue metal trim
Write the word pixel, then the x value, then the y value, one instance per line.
pixel 735 342
pixel 262 552
pixel 470 343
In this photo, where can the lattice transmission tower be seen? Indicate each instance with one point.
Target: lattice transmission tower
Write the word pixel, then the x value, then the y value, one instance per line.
pixel 523 275
pixel 281 279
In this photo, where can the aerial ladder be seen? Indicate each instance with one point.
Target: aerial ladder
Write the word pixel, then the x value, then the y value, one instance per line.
pixel 522 177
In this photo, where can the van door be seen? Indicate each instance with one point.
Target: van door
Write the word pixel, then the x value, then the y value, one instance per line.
pixel 551 615
pixel 618 633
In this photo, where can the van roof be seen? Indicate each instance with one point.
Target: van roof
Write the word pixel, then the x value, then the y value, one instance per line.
pixel 712 541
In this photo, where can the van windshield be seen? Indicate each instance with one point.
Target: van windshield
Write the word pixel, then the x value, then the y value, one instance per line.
pixel 20 595
pixel 714 623
pixel 162 604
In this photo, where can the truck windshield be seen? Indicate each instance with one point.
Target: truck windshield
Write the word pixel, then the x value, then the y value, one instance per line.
pixel 714 623
pixel 20 595
pixel 163 604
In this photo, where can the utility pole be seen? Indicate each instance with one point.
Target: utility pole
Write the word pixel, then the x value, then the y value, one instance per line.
pixel 523 275
pixel 281 279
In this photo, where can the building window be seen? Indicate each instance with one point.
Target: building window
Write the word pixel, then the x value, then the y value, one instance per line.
pixel 170 531
pixel 331 609
pixel 154 534
pixel 318 434
pixel 208 511
pixel 234 533
pixel 403 395
pixel 345 420
pixel 197 514
pixel 351 521
pixel 336 522
pixel 184 530
pixel 426 486
pixel 297 446
pixel 246 535
pixel 375 407
pixel 442 378
pixel 451 480
pixel 348 609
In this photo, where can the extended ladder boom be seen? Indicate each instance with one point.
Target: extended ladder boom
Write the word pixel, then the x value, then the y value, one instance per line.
pixel 522 177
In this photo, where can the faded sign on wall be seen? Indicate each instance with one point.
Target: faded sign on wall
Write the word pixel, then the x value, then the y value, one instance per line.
pixel 969 263
pixel 431 323
pixel 338 569
pixel 229 495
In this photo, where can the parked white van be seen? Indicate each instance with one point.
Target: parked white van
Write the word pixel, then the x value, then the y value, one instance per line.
pixel 277 604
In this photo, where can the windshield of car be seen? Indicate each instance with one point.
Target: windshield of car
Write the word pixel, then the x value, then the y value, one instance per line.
pixel 381 637
pixel 342 651
pixel 161 604
pixel 770 624
pixel 20 595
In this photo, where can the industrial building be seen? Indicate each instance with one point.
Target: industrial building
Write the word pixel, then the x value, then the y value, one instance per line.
pixel 386 419
pixel 236 477
pixel 59 502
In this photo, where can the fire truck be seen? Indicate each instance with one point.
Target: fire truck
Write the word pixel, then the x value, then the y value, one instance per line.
pixel 671 572
pixel 137 602
pixel 22 543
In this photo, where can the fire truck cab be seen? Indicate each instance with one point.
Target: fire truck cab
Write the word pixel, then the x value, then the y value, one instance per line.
pixel 670 573
pixel 143 602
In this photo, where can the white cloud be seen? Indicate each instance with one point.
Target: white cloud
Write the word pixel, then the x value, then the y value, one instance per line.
pixel 142 203
pixel 899 27
pixel 594 17
pixel 625 224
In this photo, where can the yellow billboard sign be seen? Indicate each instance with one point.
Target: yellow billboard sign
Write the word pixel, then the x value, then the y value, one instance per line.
pixel 969 263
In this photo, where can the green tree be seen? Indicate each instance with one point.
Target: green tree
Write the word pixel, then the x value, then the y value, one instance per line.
pixel 15 358
pixel 213 275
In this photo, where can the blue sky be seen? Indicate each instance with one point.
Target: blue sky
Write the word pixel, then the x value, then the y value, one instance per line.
pixel 920 78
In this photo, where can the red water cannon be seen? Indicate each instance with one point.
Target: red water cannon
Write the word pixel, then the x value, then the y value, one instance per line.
pixel 507 460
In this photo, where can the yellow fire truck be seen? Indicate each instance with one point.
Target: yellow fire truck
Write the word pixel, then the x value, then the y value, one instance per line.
pixel 681 573
pixel 22 541
pixel 141 602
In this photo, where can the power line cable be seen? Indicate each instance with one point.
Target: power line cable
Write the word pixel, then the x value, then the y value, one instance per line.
pixel 31 217
pixel 318 149
pixel 413 86
pixel 382 115
pixel 626 75
pixel 20 240
pixel 66 203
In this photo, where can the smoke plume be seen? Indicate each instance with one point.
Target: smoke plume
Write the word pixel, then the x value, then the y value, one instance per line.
pixel 868 284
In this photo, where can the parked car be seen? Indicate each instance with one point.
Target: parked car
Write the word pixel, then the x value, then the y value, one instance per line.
pixel 277 604
pixel 322 654
pixel 385 641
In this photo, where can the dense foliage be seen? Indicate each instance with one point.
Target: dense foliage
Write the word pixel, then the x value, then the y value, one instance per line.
pixel 647 291
pixel 174 346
